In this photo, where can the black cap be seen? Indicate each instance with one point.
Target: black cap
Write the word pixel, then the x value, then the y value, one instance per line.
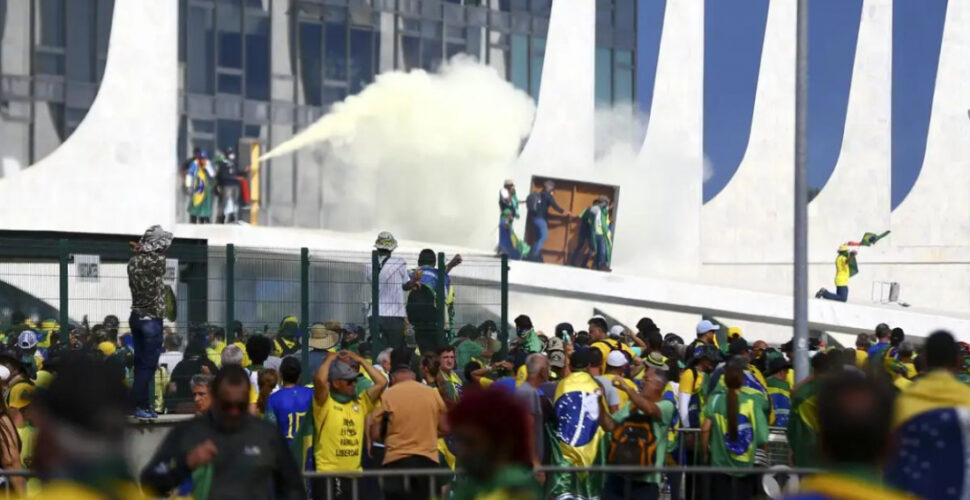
pixel 738 346
pixel 564 328
pixel 523 322
pixel 581 358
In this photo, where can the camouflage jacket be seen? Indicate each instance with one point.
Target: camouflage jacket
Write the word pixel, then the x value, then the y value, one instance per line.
pixel 145 274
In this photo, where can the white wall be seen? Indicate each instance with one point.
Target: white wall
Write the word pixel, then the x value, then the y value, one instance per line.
pixel 937 210
pixel 116 172
pixel 856 197
pixel 751 218
pixel 666 201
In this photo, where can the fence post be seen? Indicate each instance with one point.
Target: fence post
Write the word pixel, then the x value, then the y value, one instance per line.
pixel 230 292
pixel 375 304
pixel 440 297
pixel 305 312
pixel 504 328
pixel 64 254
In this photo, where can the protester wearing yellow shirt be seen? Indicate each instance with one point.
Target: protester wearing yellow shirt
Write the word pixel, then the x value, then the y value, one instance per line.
pixel 842 275
pixel 340 416
pixel 598 332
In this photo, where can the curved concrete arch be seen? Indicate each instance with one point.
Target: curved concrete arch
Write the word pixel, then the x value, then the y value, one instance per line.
pixel 562 139
pixel 116 170
pixel 937 209
pixel 751 218
pixel 671 157
pixel 856 197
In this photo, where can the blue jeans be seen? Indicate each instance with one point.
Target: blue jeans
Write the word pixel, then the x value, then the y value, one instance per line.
pixel 542 232
pixel 600 261
pixel 841 294
pixel 147 336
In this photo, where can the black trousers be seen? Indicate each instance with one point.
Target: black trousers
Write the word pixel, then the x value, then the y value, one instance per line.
pixel 390 334
pixel 340 488
pixel 413 487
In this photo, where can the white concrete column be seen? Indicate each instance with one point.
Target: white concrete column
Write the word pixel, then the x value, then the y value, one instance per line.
pixel 117 170
pixel 561 142
pixel 751 219
pixel 937 210
pixel 666 200
pixel 856 197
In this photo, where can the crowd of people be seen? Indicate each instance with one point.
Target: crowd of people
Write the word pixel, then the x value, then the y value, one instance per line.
pixel 882 419
pixel 217 187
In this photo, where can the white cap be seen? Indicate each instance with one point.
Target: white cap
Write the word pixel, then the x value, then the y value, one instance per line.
pixel 616 359
pixel 706 326
pixel 617 331
pixel 4 373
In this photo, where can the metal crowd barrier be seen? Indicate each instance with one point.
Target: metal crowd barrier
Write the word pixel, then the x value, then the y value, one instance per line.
pixel 440 477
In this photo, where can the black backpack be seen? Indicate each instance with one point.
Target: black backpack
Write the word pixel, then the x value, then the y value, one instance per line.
pixel 633 442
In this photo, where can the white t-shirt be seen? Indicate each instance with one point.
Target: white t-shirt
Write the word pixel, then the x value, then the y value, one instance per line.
pixel 394 274
pixel 170 358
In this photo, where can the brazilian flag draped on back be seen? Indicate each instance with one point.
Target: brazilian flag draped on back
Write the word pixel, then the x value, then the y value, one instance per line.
pixel 576 437
pixel 803 424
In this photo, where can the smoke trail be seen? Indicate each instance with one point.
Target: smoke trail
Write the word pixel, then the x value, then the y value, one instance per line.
pixel 419 153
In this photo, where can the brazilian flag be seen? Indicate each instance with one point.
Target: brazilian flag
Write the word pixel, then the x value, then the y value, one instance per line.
pixel 870 239
pixel 576 438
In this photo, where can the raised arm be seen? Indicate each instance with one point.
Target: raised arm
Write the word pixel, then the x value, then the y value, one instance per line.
pixel 321 380
pixel 646 406
pixel 380 382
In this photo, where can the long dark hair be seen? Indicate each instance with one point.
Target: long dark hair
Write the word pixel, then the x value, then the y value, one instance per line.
pixel 733 378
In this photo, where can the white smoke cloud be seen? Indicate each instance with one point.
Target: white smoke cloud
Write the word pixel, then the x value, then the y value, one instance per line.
pixel 420 154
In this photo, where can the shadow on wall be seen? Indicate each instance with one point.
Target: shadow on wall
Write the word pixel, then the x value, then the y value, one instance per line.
pixel 13 299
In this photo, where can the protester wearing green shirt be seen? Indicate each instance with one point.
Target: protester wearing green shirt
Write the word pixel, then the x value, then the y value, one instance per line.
pixel 528 338
pixel 649 402
pixel 733 426
pixel 803 418
pixel 468 348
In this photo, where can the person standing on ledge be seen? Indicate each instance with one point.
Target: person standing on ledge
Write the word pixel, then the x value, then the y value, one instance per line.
pixel 146 270
pixel 843 263
pixel 538 205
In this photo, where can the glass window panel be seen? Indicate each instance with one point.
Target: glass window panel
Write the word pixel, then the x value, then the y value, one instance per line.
pixel 105 14
pixel 80 40
pixel 204 126
pixel 623 85
pixel 542 7
pixel 625 15
pixel 254 131
pixel 51 23
pixel 519 62
pixel 50 64
pixel 229 24
pixel 604 77
pixel 604 13
pixel 228 133
pixel 335 51
pixel 333 95
pixel 311 62
pixel 454 32
pixel 624 57
pixel 453 49
pixel 412 25
pixel 410 53
pixel 474 43
pixel 431 53
pixel 230 84
pixel 257 58
pixel 199 40
pixel 361 62
pixel 535 65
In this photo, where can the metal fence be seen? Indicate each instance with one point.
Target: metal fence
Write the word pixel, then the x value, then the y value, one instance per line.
pixel 764 482
pixel 66 281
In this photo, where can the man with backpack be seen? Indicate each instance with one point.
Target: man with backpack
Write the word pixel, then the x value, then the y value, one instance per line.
pixel 538 205
pixel 638 437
